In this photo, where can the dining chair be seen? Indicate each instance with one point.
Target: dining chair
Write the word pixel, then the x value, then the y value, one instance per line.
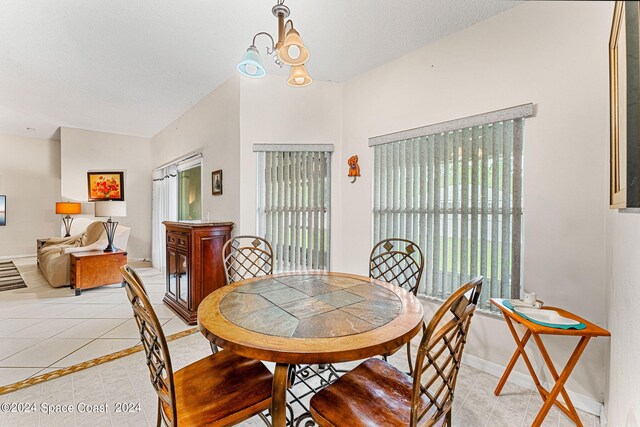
pixel 219 390
pixel 377 394
pixel 401 263
pixel 397 261
pixel 246 257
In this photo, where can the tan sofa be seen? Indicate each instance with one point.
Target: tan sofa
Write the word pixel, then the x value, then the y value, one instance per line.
pixel 53 256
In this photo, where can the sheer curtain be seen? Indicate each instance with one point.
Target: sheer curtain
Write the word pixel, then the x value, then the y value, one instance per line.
pixel 165 208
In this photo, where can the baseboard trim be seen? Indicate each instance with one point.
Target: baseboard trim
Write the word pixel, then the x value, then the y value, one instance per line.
pixel 580 401
pixel 10 257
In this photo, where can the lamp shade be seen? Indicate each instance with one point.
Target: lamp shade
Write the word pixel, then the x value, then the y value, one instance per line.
pixel 299 77
pixel 68 208
pixel 251 64
pixel 110 208
pixel 293 51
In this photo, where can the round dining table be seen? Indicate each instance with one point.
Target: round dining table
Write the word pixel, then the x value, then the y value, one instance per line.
pixel 308 318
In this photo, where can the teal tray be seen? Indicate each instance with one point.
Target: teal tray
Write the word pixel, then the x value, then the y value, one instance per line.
pixel 510 306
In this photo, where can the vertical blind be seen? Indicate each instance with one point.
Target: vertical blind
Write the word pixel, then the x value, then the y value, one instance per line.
pixel 294 195
pixel 458 195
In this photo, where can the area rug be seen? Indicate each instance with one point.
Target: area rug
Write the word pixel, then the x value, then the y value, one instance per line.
pixel 10 277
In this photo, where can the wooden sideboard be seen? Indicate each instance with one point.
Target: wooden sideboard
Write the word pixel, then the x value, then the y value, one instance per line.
pixel 195 265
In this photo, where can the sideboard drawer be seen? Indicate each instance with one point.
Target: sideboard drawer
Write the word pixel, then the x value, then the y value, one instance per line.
pixel 178 240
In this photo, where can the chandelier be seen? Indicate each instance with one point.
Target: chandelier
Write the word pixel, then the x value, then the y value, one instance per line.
pixel 288 50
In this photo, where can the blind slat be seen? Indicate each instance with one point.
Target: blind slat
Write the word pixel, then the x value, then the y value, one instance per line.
pixel 505 256
pixel 495 206
pixel 455 266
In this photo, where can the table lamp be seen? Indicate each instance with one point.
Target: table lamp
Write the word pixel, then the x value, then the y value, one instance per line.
pixel 68 208
pixel 110 208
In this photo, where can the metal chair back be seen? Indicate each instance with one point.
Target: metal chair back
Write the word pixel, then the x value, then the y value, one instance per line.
pixel 246 257
pixel 397 261
pixel 155 346
pixel 440 355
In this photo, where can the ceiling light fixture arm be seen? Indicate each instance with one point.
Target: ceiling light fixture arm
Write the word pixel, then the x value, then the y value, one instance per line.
pixel 289 21
pixel 271 49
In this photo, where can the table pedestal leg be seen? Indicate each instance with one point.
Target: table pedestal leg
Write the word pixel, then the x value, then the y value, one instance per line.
pixel 279 395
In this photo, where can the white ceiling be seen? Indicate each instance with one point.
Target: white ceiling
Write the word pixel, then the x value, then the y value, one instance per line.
pixel 132 67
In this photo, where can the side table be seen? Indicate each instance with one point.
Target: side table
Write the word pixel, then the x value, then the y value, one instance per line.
pixel 549 397
pixel 96 268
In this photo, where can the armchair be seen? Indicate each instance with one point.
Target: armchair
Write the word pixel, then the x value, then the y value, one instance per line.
pixel 54 259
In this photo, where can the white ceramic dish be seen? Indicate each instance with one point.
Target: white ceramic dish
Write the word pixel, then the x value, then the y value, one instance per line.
pixel 546 316
pixel 519 303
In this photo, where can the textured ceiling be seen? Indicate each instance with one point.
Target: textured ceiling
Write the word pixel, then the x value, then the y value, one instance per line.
pixel 132 67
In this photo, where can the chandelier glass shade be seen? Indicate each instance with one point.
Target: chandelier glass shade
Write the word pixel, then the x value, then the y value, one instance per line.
pixel 299 77
pixel 251 64
pixel 293 51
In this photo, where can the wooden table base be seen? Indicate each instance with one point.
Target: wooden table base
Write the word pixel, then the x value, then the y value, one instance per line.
pixel 549 398
pixel 279 395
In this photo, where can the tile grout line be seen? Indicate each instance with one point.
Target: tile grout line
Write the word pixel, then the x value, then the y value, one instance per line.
pixel 104 391
pixel 51 365
pixel 468 393
pixel 137 395
pixel 26 348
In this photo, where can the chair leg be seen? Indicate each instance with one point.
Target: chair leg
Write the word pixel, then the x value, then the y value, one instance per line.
pixel 409 358
pixel 159 421
pixel 448 418
pixel 264 418
pixel 214 348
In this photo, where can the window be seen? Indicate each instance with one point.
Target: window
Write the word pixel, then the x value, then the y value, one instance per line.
pixel 294 195
pixel 456 190
pixel 190 193
pixel 177 196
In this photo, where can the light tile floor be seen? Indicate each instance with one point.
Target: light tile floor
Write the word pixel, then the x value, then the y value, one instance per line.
pixel 106 329
pixel 127 380
pixel 44 328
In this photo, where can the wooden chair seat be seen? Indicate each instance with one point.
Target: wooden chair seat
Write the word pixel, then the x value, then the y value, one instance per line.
pixel 377 394
pixel 221 390
pixel 373 394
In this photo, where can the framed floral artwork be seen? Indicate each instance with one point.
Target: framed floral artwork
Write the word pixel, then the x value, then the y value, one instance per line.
pixel 105 186
pixel 216 182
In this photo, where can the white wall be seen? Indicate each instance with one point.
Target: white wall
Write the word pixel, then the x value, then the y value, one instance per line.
pixel 623 289
pixel 553 54
pixel 84 150
pixel 272 112
pixel 212 128
pixel 30 178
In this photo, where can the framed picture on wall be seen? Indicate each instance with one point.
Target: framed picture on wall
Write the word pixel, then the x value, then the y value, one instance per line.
pixel 105 186
pixel 624 99
pixel 216 182
pixel 3 210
